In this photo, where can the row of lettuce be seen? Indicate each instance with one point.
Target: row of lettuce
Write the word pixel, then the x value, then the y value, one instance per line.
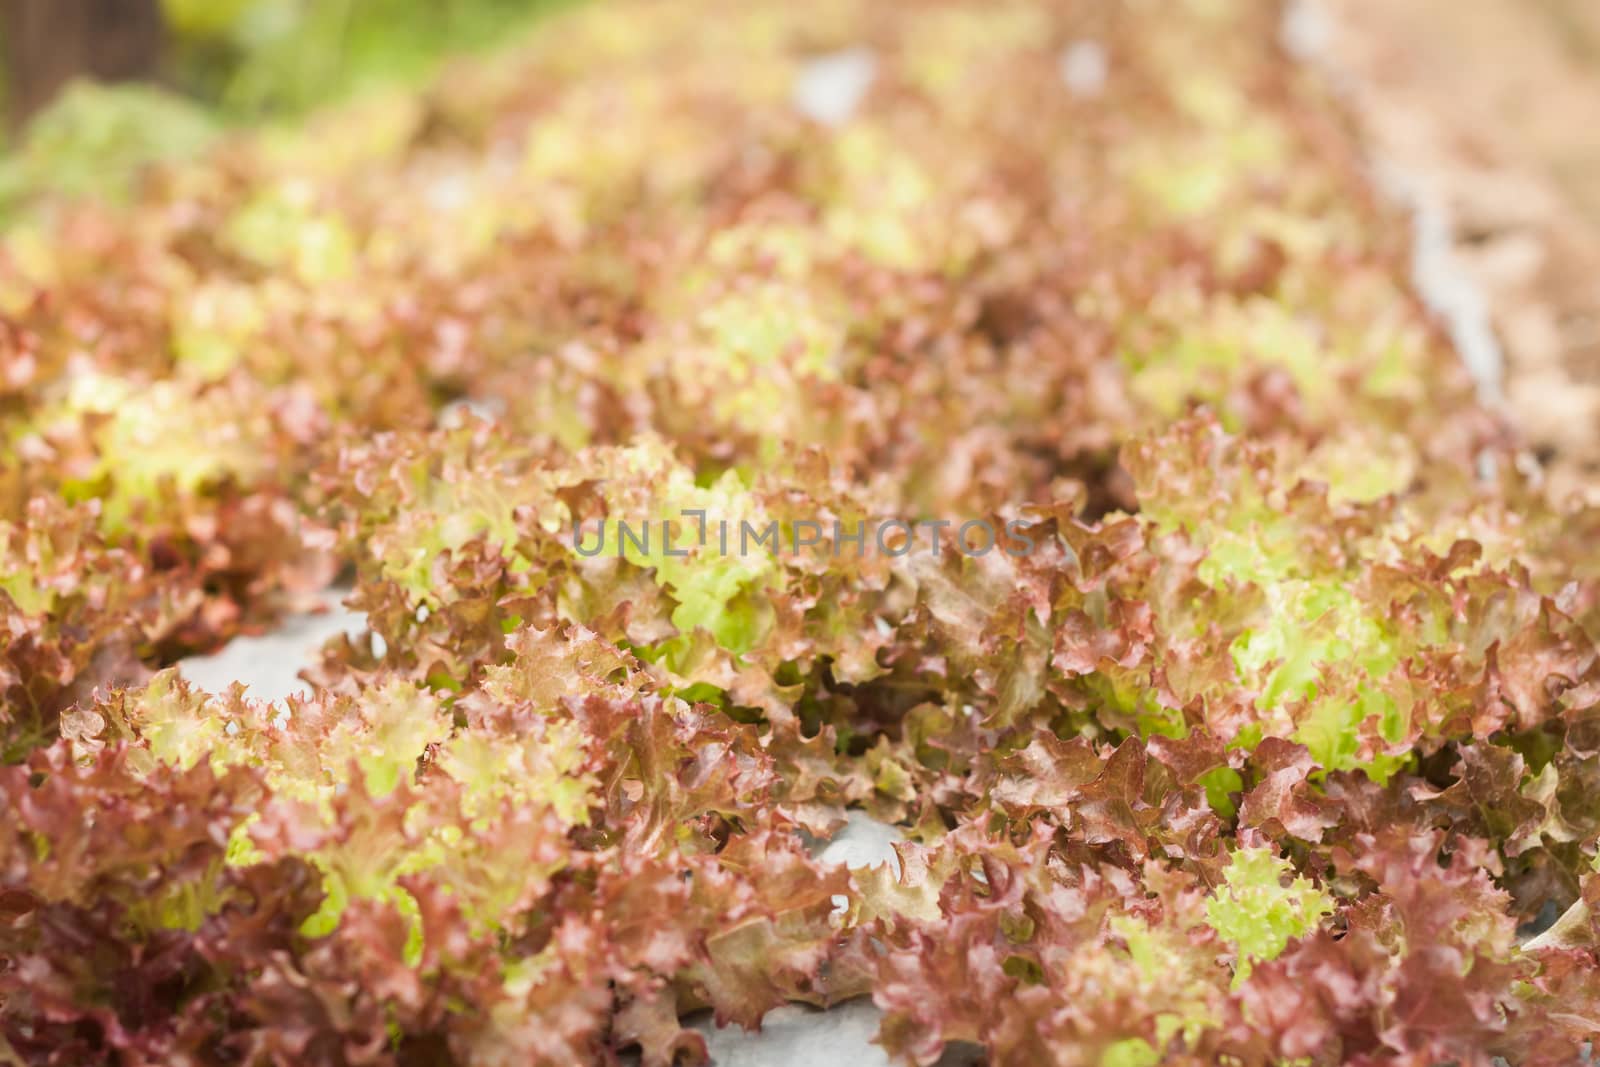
pixel 1262 748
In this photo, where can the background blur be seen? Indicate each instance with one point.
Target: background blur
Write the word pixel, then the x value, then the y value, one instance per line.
pixel 187 70
pixel 244 57
pixel 1494 105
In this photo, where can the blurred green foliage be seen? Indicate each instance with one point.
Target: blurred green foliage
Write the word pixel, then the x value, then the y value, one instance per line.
pixel 234 62
pixel 259 58
pixel 95 138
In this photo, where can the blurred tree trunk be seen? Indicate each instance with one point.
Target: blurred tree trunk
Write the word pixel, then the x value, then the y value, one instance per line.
pixel 50 42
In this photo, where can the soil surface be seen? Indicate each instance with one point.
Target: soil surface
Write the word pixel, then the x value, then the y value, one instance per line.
pixel 1495 106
